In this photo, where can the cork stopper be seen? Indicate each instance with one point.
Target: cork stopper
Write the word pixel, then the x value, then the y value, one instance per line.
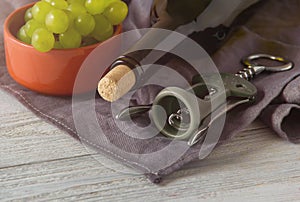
pixel 116 83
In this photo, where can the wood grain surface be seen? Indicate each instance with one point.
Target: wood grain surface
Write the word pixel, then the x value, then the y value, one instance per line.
pixel 38 162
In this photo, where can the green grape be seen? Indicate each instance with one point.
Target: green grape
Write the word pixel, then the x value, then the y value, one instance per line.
pixel 57 21
pixel 81 2
pixel 86 41
pixel 103 28
pixel 28 15
pixel 57 45
pixel 60 4
pixel 107 2
pixel 42 40
pixel 76 9
pixel 40 10
pixel 21 35
pixel 84 24
pixel 95 6
pixel 31 26
pixel 71 17
pixel 70 39
pixel 116 12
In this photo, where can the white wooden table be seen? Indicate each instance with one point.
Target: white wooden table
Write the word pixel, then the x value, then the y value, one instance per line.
pixel 40 162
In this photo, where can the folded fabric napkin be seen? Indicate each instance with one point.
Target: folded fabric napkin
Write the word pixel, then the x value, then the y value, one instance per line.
pixel 255 31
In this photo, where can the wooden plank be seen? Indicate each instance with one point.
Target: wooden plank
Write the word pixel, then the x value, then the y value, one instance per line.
pixel 39 162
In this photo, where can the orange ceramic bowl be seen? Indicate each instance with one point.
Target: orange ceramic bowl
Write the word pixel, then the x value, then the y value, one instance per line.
pixel 51 73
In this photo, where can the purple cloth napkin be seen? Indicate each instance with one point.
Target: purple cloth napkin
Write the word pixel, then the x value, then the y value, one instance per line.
pixel 277 104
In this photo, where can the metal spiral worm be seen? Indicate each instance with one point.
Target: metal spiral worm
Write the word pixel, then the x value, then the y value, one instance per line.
pixel 247 73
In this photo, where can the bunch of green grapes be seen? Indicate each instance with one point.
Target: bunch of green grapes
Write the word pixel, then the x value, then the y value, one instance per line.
pixel 63 24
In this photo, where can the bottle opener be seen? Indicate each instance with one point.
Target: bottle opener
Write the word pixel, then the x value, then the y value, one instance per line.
pixel 189 112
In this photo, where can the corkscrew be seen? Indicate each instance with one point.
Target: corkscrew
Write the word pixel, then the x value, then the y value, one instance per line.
pixel 191 112
pixel 252 68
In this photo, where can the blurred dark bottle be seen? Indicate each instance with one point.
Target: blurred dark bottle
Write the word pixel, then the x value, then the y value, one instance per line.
pixel 165 14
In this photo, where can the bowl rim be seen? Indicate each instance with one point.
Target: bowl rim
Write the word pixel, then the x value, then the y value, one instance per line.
pixel 118 30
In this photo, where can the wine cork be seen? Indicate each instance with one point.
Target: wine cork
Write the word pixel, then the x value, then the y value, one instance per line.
pixel 116 83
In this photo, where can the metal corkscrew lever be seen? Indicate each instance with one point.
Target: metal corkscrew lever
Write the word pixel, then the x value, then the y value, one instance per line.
pixel 183 121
